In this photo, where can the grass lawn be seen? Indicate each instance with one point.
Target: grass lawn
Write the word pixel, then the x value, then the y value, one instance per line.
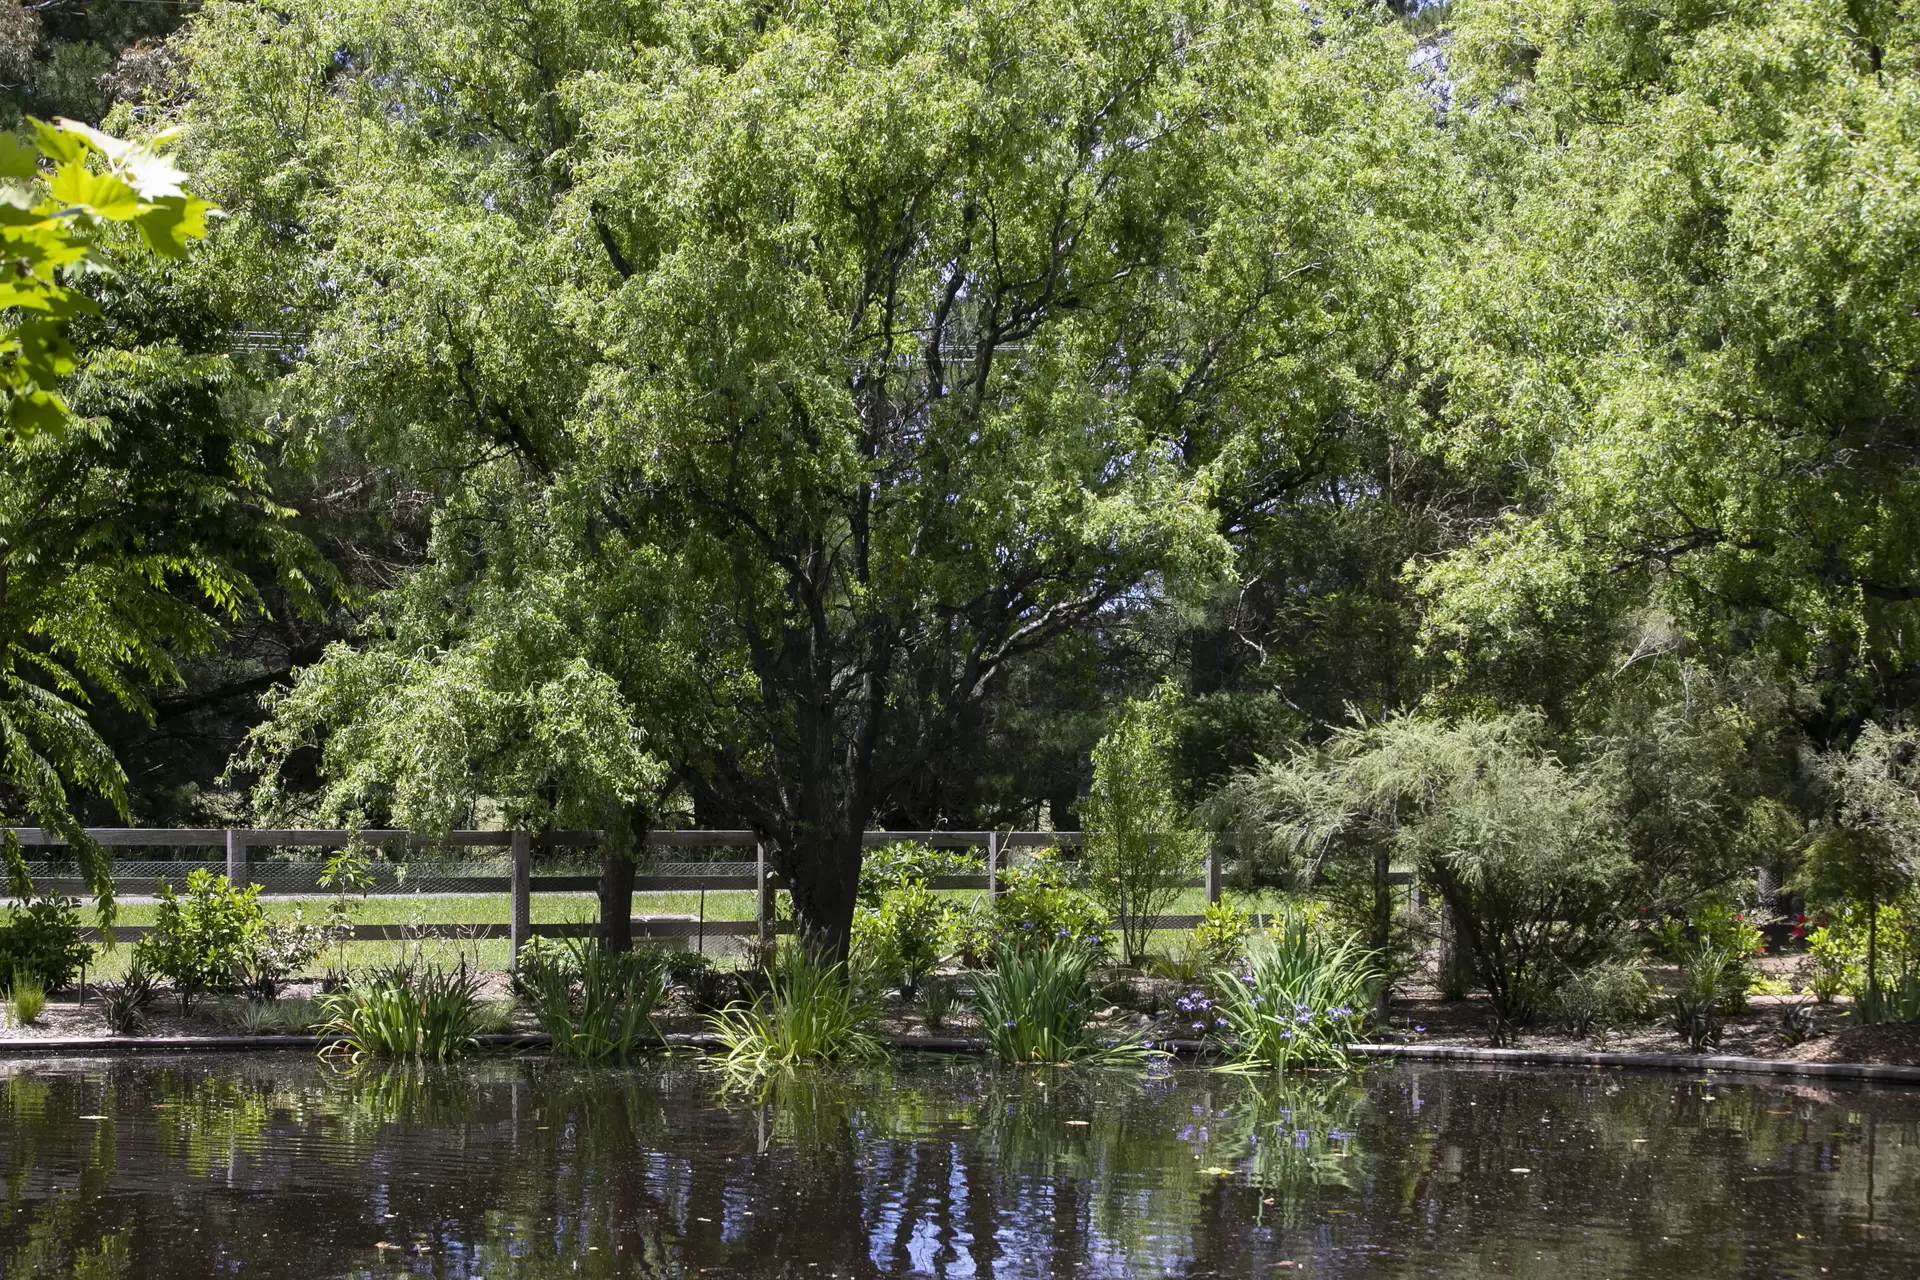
pixel 547 908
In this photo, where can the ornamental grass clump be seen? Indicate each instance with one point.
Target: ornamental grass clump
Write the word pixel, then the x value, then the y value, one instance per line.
pixel 811 1011
pixel 596 1005
pixel 1036 1006
pixel 424 1012
pixel 1304 997
pixel 28 994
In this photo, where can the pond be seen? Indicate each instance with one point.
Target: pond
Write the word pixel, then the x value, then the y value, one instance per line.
pixel 275 1165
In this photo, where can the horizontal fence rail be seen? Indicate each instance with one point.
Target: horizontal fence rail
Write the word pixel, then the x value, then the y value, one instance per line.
pixel 513 874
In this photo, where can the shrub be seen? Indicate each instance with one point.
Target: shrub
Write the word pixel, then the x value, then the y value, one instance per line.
pixel 810 1012
pixel 43 938
pixel 894 866
pixel 684 968
pixel 1606 994
pixel 936 1002
pixel 1036 908
pixel 1036 1005
pixel 1724 940
pixel 404 1012
pixel 540 956
pixel 1797 1024
pixel 1221 935
pixel 1137 856
pixel 1187 965
pixel 902 938
pixel 124 1004
pixel 1837 961
pixel 1305 995
pixel 281 951
pixel 206 941
pixel 1695 1010
pixel 29 996
pixel 597 1004
pixel 277 1017
pixel 1522 850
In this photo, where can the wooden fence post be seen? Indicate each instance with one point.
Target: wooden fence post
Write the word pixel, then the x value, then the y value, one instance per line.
pixel 762 896
pixel 1213 869
pixel 236 858
pixel 993 865
pixel 520 885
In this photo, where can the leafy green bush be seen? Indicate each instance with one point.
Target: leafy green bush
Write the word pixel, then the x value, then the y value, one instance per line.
pixel 1036 909
pixel 894 866
pixel 1837 960
pixel 1523 850
pixel 404 1012
pixel 596 1005
pixel 810 1012
pixel 206 941
pixel 1719 942
pixel 902 938
pixel 280 951
pixel 1221 935
pixel 540 957
pixel 42 937
pixel 1036 1006
pixel 682 967
pixel 1304 996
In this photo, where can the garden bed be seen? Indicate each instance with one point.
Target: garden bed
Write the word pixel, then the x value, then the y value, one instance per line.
pixel 1149 1011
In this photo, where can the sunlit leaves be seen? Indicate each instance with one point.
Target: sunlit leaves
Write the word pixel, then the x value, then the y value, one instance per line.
pixel 44 231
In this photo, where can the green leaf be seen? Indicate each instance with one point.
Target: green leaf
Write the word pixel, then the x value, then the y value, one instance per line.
pixel 17 160
pixel 104 194
pixel 167 226
pixel 36 411
pixel 58 145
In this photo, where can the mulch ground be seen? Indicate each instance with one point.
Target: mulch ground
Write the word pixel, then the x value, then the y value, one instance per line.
pixel 1145 1006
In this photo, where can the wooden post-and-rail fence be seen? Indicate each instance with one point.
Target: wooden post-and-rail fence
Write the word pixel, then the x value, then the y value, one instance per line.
pixel 521 883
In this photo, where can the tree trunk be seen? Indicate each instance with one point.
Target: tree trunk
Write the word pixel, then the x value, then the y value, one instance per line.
pixel 1873 955
pixel 1382 900
pixel 617 864
pixel 822 870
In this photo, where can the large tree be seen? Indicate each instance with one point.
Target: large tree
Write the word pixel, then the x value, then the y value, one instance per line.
pixel 1684 344
pixel 818 367
pixel 133 517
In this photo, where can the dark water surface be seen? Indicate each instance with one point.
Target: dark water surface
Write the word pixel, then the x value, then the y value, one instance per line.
pixel 278 1166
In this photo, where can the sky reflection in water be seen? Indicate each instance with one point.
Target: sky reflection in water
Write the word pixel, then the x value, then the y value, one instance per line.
pixel 277 1166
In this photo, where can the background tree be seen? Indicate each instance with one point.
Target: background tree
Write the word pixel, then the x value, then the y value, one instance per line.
pixel 867 340
pixel 1867 850
pixel 1516 844
pixel 1140 848
pixel 132 516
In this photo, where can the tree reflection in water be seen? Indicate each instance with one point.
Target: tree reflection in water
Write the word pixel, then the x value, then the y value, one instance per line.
pixel 535 1168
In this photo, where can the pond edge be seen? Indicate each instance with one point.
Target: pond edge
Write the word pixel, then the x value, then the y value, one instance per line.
pixel 89 1046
